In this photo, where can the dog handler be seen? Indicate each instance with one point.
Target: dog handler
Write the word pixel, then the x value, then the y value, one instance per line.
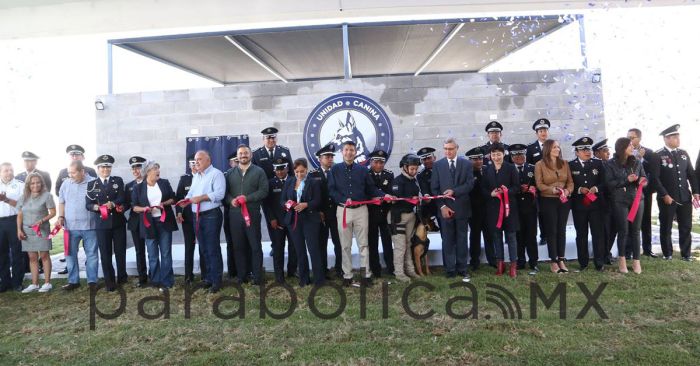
pixel 402 218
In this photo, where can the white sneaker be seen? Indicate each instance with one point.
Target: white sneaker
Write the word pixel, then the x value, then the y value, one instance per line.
pixel 30 288
pixel 46 287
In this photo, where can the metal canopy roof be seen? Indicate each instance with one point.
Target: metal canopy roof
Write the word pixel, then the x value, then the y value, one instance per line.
pixel 337 51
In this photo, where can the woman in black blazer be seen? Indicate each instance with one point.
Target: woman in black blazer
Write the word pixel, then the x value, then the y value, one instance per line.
pixel 153 191
pixel 306 195
pixel 496 175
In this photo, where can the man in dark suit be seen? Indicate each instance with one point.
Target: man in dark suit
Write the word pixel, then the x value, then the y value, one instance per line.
pixel 527 209
pixel 586 206
pixel 453 177
pixel 265 155
pixel 106 199
pixel 132 224
pixel 676 180
pixel 649 160
pixel 274 215
pixel 534 154
pixel 329 222
pixel 477 222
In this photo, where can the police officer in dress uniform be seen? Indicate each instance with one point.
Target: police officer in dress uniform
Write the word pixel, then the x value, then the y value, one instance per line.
pixel 587 203
pixel 185 217
pixel 534 154
pixel 75 152
pixel 477 222
pixel 274 215
pixel 527 209
pixel 30 167
pixel 676 180
pixel 378 224
pixel 494 131
pixel 329 222
pixel 106 199
pixel 428 211
pixel 602 153
pixel 136 163
pixel 270 151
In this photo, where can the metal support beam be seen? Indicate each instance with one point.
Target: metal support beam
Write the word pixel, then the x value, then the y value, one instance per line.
pixel 255 58
pixel 439 48
pixel 346 53
pixel 110 70
pixel 582 39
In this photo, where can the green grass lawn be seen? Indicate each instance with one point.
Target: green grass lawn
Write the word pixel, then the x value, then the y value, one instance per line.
pixel 652 318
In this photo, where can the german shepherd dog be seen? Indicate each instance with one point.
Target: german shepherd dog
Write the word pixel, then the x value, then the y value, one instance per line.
pixel 348 131
pixel 419 246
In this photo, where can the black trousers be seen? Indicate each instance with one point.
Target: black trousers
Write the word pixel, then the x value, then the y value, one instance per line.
pixel 583 221
pixel 305 237
pixel 684 216
pixel 230 252
pixel 609 231
pixel 627 232
pixel 247 236
pixel 378 226
pixel 646 223
pixel 330 226
pixel 112 242
pixel 140 248
pixel 279 238
pixel 477 224
pixel 527 238
pixel 11 256
pixel 555 214
pixel 190 243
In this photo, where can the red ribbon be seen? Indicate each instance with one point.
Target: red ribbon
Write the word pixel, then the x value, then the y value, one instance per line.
pixel 244 209
pixel 504 206
pixel 350 203
pixel 589 198
pixel 533 191
pixel 185 202
pixel 37 230
pixel 104 212
pixel 289 205
pixel 55 231
pixel 562 195
pixel 66 243
pixel 147 223
pixel 637 197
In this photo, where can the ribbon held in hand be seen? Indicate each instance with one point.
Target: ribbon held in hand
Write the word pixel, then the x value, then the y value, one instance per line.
pixel 55 231
pixel 66 243
pixel 289 205
pixel 37 230
pixel 637 198
pixel 104 212
pixel 186 202
pixel 244 209
pixel 589 198
pixel 562 195
pixel 504 206
pixel 350 203
pixel 147 223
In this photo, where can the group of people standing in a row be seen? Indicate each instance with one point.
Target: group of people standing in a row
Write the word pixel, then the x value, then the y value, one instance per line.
pixel 499 191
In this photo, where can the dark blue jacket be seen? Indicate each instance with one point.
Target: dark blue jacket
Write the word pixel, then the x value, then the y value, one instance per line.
pixel 139 197
pixel 351 181
pixel 311 195
pixel 98 194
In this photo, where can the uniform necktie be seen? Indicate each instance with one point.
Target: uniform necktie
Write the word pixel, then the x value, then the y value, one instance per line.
pixel 520 169
pixel 271 153
pixel 325 173
pixel 452 168
pixel 104 182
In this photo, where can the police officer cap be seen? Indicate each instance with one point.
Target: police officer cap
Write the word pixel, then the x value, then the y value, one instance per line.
pixel 136 161
pixel 409 159
pixel 494 126
pixel 233 156
pixel 425 152
pixel 584 143
pixel 28 155
pixel 517 149
pixel 279 164
pixel 602 144
pixel 378 155
pixel 673 130
pixel 326 150
pixel 475 153
pixel 497 147
pixel 541 123
pixel 75 150
pixel 104 160
pixel 270 131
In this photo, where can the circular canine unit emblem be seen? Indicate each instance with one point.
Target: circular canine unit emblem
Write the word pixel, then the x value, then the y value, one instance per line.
pixel 348 117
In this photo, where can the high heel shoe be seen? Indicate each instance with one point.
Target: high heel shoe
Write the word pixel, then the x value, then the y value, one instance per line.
pixel 562 266
pixel 636 266
pixel 554 267
pixel 501 268
pixel 622 264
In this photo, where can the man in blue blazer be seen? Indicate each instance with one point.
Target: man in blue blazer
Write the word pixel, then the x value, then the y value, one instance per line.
pixel 453 176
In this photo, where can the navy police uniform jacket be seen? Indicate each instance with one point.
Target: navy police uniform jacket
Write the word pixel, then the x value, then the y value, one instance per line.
pixel 99 193
pixel 676 176
pixel 587 175
pixel 261 158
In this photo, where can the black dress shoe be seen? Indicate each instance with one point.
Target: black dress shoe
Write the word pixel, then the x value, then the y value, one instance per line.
pixel 63 271
pixel 651 254
pixel 70 286
pixel 687 259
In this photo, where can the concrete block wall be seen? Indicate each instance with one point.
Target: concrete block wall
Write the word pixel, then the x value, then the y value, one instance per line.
pixel 423 110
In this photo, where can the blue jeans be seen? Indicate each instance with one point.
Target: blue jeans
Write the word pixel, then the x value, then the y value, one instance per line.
pixel 160 259
pixel 512 242
pixel 89 238
pixel 208 237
